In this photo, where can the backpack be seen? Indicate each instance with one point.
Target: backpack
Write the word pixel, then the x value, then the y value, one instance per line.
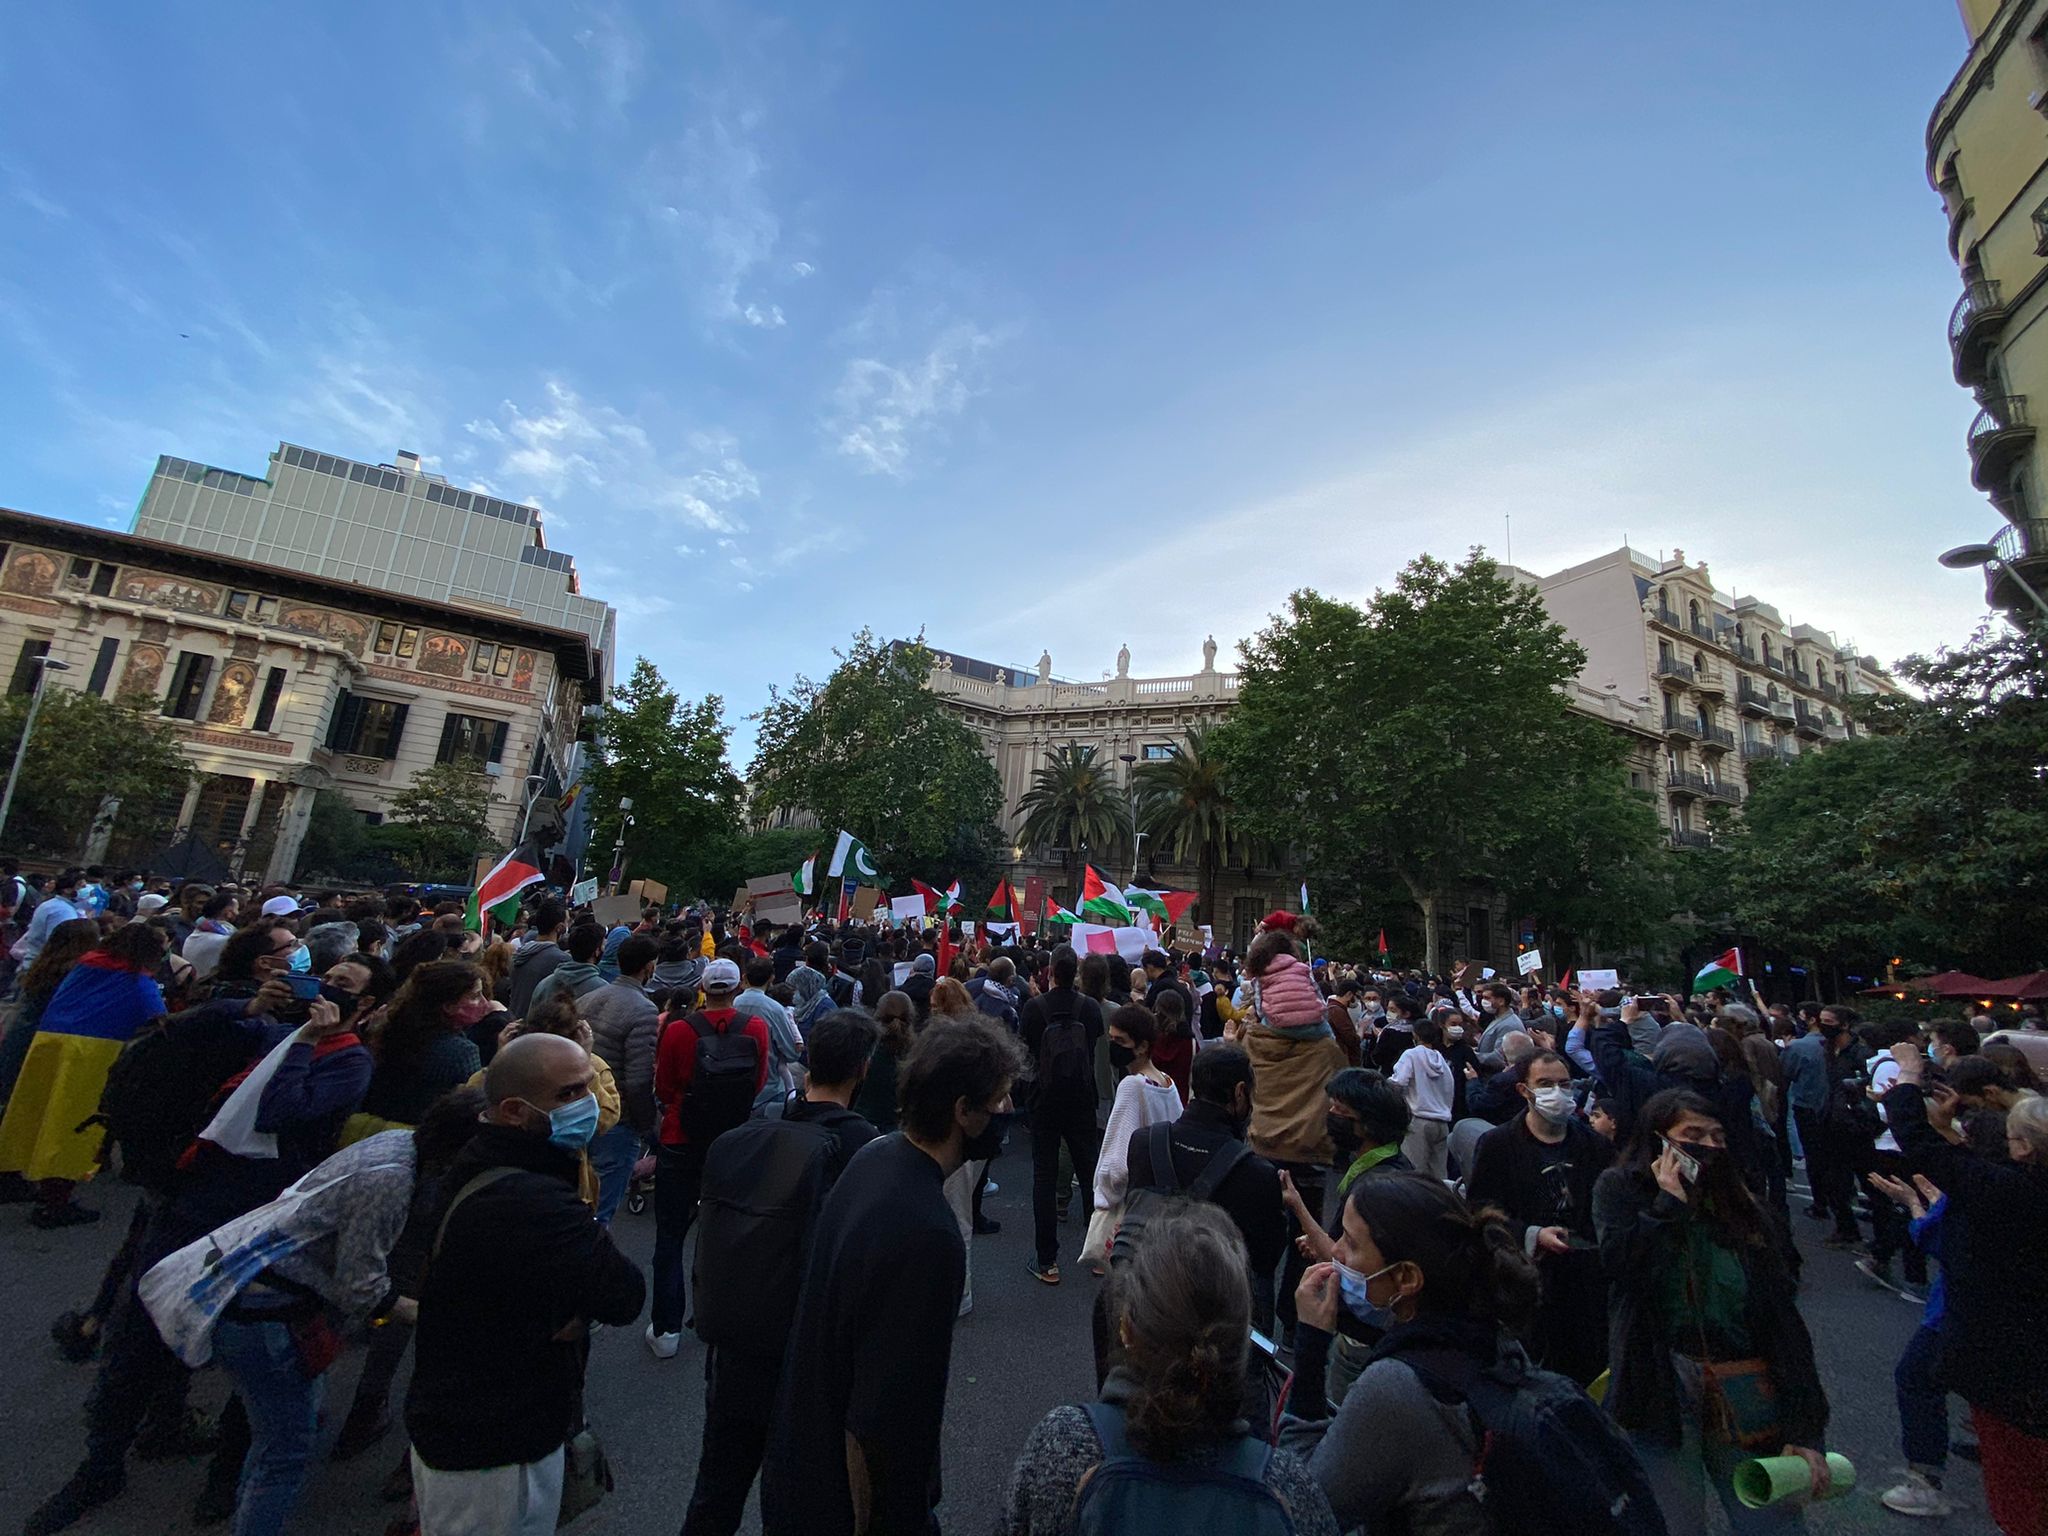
pixel 722 1081
pixel 842 988
pixel 1139 1204
pixel 994 1002
pixel 822 1002
pixel 1548 1457
pixel 1064 1061
pixel 161 1089
pixel 1223 1492
pixel 1851 1114
pixel 764 1182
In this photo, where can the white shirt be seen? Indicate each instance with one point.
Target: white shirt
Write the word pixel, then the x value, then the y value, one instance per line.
pixel 1883 1073
pixel 1424 1075
pixel 1139 1105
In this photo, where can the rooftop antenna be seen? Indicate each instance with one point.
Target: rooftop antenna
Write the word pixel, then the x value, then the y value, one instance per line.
pixel 1509 519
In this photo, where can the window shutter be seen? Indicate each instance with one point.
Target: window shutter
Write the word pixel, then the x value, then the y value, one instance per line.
pixel 398 714
pixel 446 751
pixel 498 735
pixel 341 728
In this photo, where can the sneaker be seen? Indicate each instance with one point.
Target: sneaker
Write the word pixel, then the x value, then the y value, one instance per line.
pixel 966 1306
pixel 1915 1294
pixel 991 1188
pixel 76 1342
pixel 663 1346
pixel 1877 1272
pixel 986 1226
pixel 87 1490
pixel 1045 1274
pixel 69 1214
pixel 1914 1495
pixel 191 1433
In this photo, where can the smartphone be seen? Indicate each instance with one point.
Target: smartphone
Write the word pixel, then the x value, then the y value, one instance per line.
pixel 305 986
pixel 1688 1165
pixel 1262 1344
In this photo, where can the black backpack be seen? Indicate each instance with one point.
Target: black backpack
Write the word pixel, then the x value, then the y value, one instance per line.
pixel 1140 1203
pixel 162 1088
pixel 1548 1458
pixel 722 1081
pixel 1064 1062
pixel 764 1182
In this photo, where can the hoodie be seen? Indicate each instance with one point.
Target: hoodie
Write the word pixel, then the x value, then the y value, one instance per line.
pixel 530 967
pixel 576 977
pixel 1289 1001
pixel 1424 1075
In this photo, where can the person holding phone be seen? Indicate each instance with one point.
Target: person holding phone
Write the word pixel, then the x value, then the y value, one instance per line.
pixel 1709 1358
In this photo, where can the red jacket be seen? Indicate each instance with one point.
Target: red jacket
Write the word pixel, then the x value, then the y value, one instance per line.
pixel 676 1058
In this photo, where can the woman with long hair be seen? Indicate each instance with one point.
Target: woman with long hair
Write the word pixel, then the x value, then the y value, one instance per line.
pixel 50 1135
pixel 950 1000
pixel 1709 1359
pixel 1182 1308
pixel 423 1049
pixel 38 985
pixel 1145 1096
pixel 876 1101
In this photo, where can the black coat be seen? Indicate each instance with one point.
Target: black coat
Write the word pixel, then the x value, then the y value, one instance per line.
pixel 1250 1196
pixel 1507 1172
pixel 1994 1257
pixel 1635 1221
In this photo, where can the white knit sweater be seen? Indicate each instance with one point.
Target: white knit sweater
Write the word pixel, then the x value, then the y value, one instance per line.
pixel 1139 1105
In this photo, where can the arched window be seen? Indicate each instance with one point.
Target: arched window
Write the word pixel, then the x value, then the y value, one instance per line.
pixel 1692 612
pixel 1767 650
pixel 1699 662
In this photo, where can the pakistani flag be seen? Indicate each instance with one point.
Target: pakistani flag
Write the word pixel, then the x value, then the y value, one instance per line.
pixel 1101 899
pixel 851 855
pixel 498 892
pixel 1304 895
pixel 805 881
pixel 1167 906
pixel 1724 970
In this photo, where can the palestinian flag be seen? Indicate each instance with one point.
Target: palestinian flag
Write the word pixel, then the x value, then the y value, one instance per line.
pixel 1167 906
pixel 849 854
pixel 1102 899
pixel 949 898
pixel 805 881
pixel 1721 971
pixel 498 892
pixel 1055 913
pixel 934 901
pixel 1002 903
pixel 1383 941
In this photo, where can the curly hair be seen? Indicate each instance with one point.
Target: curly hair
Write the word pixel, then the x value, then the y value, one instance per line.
pixel 1185 1302
pixel 1470 1257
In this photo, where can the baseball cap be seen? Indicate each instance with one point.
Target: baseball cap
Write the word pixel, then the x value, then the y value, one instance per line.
pixel 925 964
pixel 281 906
pixel 144 905
pixel 721 976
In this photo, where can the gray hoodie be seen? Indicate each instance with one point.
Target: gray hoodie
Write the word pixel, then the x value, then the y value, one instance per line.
pixel 530 967
pixel 577 977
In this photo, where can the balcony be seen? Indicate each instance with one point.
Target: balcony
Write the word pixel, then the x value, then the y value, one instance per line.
pixel 1999 435
pixel 1742 652
pixel 1750 700
pixel 1684 784
pixel 1828 690
pixel 1781 710
pixel 1714 739
pixel 1703 632
pixel 1759 752
pixel 1676 671
pixel 1808 721
pixel 1776 664
pixel 2022 556
pixel 1685 837
pixel 1680 725
pixel 1709 680
pixel 1836 730
pixel 1973 330
pixel 1668 617
pixel 1728 794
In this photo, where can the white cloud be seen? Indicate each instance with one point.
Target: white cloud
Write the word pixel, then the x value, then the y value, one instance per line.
pixel 802 268
pixel 708 190
pixel 769 318
pixel 883 410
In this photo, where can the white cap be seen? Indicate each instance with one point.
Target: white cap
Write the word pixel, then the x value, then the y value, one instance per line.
pixel 720 976
pixel 153 902
pixel 281 906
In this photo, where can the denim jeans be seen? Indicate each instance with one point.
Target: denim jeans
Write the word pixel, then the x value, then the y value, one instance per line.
pixel 678 1178
pixel 1923 1401
pixel 284 1420
pixel 613 1154
pixel 1683 1475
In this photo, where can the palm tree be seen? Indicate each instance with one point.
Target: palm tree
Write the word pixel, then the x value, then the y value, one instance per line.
pixel 1185 806
pixel 1073 803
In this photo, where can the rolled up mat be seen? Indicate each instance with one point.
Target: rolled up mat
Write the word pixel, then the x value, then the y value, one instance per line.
pixel 1765 1480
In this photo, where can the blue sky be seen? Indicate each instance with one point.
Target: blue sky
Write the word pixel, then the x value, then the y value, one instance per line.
pixel 1052 326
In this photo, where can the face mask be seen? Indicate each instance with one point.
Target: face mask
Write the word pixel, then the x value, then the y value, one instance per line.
pixel 1557 1010
pixel 1121 1056
pixel 1359 1304
pixel 1709 1158
pixel 980 1148
pixel 1345 1133
pixel 1455 1032
pixel 1553 1103
pixel 345 1001
pixel 1357 1012
pixel 470 1010
pixel 570 1126
pixel 300 961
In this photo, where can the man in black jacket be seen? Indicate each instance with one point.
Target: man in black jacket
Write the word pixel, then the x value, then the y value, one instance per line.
pixel 1062 1099
pixel 1539 1168
pixel 518 1271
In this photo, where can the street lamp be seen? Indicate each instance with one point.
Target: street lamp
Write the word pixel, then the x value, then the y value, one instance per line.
pixel 619 848
pixel 531 794
pixel 1130 760
pixel 45 665
pixel 1968 557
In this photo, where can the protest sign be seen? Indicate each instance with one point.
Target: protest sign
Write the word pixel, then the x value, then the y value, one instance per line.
pixel 583 892
pixel 907 909
pixel 901 973
pixel 1598 981
pixel 865 900
pixel 1002 930
pixel 649 890
pixel 613 910
pixel 1529 960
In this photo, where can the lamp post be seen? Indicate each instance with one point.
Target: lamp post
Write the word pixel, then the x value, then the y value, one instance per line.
pixel 45 665
pixel 531 794
pixel 1130 762
pixel 1967 557
pixel 619 848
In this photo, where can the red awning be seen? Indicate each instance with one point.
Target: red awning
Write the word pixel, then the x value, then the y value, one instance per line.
pixel 1954 984
pixel 2019 988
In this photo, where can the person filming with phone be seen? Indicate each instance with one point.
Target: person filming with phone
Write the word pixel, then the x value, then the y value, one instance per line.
pixel 1709 1358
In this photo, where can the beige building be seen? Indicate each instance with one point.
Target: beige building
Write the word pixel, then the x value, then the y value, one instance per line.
pixel 281 683
pixel 1704 683
pixel 1987 156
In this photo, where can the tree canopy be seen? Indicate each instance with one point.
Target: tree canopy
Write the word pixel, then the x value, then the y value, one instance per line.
pixel 90 755
pixel 1075 803
pixel 873 750
pixel 1425 740
pixel 440 823
pixel 1185 807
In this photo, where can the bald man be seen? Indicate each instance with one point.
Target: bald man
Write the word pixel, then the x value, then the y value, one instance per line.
pixel 519 1272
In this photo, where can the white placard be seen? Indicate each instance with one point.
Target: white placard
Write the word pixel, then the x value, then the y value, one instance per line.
pixel 1002 930
pixel 907 909
pixel 902 973
pixel 1529 960
pixel 583 892
pixel 1599 981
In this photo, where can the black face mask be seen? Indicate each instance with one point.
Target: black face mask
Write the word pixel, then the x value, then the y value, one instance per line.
pixel 1345 1133
pixel 1121 1056
pixel 982 1147
pixel 343 1001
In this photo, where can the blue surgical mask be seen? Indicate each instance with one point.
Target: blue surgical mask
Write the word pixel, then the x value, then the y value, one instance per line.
pixel 570 1126
pixel 1557 1010
pixel 300 961
pixel 1361 1306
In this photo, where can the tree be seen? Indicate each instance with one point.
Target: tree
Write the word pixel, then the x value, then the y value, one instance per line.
pixel 873 750
pixel 1074 803
pixel 1924 839
pixel 668 755
pixel 1426 740
pixel 440 822
pixel 337 838
pixel 90 758
pixel 1184 805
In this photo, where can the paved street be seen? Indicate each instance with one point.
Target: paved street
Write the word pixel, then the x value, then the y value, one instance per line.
pixel 1024 1349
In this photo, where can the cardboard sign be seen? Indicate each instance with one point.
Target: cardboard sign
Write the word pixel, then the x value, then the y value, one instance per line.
pixel 778 910
pixel 613 910
pixel 649 890
pixel 1529 961
pixel 583 892
pixel 740 899
pixel 1599 981
pixel 865 900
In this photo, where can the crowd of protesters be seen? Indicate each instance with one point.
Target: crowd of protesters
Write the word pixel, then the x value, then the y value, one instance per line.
pixel 1340 1219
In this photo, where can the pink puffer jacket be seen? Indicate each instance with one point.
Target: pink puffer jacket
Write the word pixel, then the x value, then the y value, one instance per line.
pixel 1288 996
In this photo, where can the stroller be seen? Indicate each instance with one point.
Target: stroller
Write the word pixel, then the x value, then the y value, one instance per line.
pixel 641 1185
